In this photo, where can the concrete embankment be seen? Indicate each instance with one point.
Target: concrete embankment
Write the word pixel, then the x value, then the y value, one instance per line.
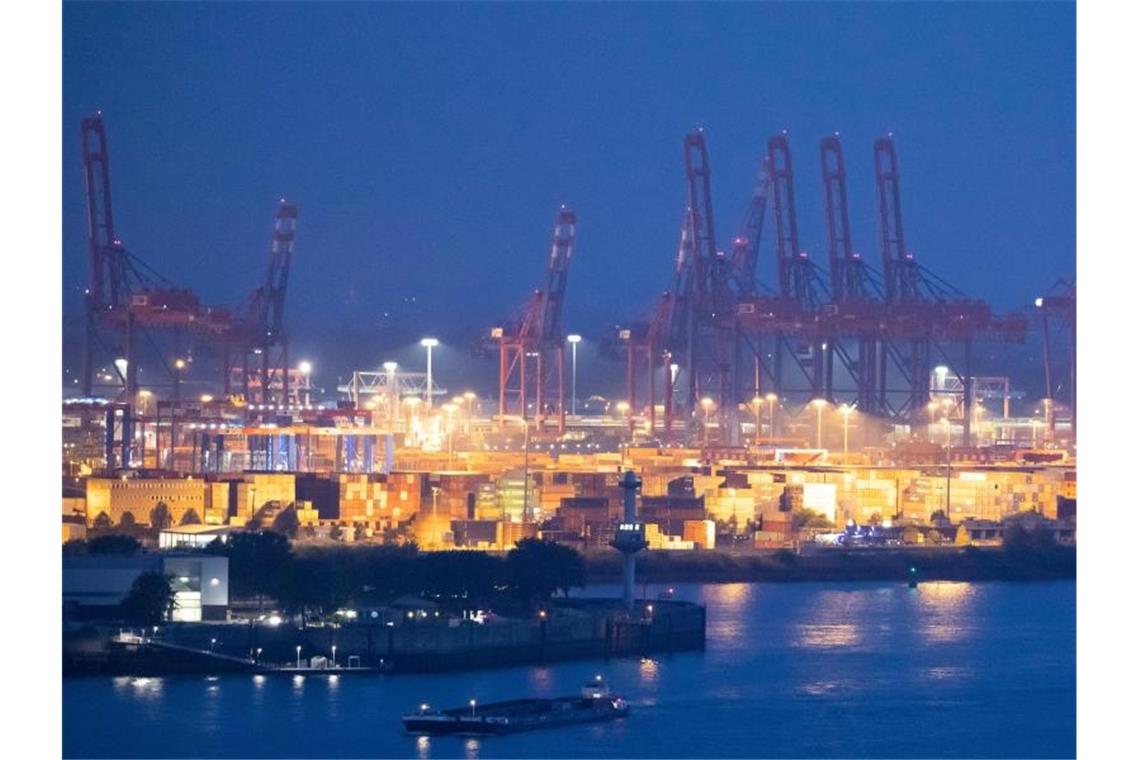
pixel 573 629
pixel 930 563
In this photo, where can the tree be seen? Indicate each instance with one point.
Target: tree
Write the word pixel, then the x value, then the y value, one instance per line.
pixel 286 522
pixel 190 517
pixel 127 520
pixel 150 600
pixel 258 561
pixel 467 575
pixel 102 520
pixel 809 518
pixel 537 568
pixel 160 518
pixel 336 533
pixel 359 533
pixel 114 543
pixel 1027 536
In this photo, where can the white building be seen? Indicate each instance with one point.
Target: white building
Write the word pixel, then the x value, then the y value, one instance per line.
pixel 95 584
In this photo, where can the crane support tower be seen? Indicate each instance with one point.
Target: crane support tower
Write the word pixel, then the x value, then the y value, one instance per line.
pixel 532 346
pixel 261 336
pixel 127 300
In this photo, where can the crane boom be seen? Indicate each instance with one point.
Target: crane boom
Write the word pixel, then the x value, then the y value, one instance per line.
pixel 558 270
pixel 108 268
pixel 270 300
pixel 746 246
pixel 900 270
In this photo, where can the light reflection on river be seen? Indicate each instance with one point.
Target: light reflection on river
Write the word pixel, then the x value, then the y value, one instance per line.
pixel 830 670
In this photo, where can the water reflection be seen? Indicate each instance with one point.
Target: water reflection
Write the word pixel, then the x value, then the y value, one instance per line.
pixel 540 680
pixel 298 684
pixel 945 595
pixel 828 635
pixel 147 688
pixel 947 674
pixel 948 609
pixel 471 748
pixel 423 748
pixel 648 670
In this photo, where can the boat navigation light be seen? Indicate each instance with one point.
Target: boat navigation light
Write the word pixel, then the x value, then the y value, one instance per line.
pixel 423 708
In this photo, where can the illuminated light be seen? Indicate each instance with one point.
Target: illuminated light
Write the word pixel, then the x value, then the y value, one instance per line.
pixel 1039 302
pixel 305 368
pixel 274 620
pixel 214 581
pixel 206 398
pixel 574 338
pixel 429 342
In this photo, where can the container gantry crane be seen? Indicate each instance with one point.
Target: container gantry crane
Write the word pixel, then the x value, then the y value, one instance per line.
pixel 126 298
pixel 532 346
pixel 851 316
pixel 262 335
pixel 1058 310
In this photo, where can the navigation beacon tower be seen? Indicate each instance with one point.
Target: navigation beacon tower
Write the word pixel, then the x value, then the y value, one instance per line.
pixel 630 536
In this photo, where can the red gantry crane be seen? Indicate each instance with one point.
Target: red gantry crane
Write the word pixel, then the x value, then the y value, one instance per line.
pixel 532 346
pixel 262 334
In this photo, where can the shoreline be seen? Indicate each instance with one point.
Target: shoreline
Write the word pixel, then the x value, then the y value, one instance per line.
pixel 973 564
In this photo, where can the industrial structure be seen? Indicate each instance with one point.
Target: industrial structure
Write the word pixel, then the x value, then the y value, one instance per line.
pixel 868 336
pixel 724 339
pixel 127 302
pixel 532 345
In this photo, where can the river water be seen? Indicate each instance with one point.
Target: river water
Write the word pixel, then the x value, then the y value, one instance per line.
pixel 790 670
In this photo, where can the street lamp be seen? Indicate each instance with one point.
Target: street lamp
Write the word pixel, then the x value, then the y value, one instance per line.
pixel 298 657
pixel 623 410
pixel 574 340
pixel 819 404
pixel 472 703
pixel 393 392
pixel 306 370
pixel 771 399
pixel 429 344
pixel 757 403
pixel 412 402
pixel 845 410
pixel 708 405
pixel 334 655
pixel 179 365
pixel 450 409
pixel 469 397
pixel 931 407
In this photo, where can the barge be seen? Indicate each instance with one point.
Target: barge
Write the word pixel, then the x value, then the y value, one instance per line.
pixel 595 703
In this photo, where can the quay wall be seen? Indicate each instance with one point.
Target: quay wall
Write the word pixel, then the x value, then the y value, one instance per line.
pixel 579 629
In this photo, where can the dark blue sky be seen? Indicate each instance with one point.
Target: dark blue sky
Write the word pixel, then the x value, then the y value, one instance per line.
pixel 428 146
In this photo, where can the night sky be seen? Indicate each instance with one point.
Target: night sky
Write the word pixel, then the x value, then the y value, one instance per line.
pixel 429 147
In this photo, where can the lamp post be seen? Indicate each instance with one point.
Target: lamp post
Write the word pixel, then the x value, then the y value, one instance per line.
pixel 846 411
pixel 819 404
pixel 469 397
pixel 306 370
pixel 334 655
pixel 574 340
pixel 393 391
pixel 708 405
pixel 623 410
pixel 429 344
pixel 472 703
pixel 771 399
pixel 450 409
pixel 298 657
pixel 412 402
pixel 757 403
